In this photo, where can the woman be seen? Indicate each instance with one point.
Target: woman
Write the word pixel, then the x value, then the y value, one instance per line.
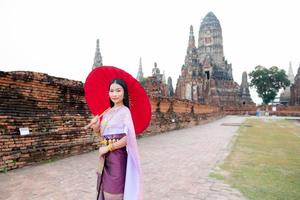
pixel 120 177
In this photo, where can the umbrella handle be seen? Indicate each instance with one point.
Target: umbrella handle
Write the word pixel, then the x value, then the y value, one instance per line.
pixel 91 123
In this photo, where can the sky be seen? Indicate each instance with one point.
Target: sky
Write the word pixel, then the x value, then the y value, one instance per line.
pixel 58 37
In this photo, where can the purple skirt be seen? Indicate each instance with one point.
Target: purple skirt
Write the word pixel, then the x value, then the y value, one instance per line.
pixel 112 179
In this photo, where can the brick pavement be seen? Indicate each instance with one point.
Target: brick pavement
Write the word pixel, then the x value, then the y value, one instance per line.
pixel 176 166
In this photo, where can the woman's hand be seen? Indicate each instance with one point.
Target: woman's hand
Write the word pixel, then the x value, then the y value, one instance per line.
pixel 95 119
pixel 96 128
pixel 94 122
pixel 103 150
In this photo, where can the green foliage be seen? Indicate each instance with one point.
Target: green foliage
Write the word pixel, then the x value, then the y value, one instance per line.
pixel 268 82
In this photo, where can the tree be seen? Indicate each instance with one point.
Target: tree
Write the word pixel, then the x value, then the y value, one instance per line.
pixel 268 82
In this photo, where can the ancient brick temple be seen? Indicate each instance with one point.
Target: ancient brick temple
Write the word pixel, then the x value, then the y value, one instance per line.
pixel 286 94
pixel 155 85
pixel 206 76
pixel 295 90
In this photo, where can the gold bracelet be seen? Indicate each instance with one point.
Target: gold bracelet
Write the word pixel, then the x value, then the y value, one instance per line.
pixel 110 147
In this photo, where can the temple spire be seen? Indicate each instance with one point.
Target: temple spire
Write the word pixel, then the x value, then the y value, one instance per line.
pixel 191 52
pixel 170 92
pixel 244 89
pixel 191 38
pixel 298 73
pixel 98 57
pixel 164 77
pixel 140 75
pixel 290 73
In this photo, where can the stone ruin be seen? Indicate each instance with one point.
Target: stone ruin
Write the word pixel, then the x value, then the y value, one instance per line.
pixel 206 76
pixel 155 85
pixel 98 57
pixel 295 90
pixel 286 94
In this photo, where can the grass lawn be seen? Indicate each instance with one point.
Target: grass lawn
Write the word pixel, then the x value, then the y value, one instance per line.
pixel 264 163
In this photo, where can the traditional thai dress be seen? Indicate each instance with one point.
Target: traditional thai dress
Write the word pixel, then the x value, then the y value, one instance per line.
pixel 120 174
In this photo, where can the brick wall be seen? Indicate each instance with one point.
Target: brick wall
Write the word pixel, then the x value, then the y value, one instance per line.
pixel 250 109
pixel 283 110
pixel 247 109
pixel 52 108
pixel 170 114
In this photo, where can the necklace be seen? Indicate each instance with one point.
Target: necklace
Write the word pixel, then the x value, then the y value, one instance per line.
pixel 111 112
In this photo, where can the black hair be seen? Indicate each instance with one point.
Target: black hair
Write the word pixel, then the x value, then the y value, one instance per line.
pixel 124 86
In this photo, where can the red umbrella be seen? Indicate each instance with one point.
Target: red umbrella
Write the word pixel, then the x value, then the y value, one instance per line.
pixel 96 90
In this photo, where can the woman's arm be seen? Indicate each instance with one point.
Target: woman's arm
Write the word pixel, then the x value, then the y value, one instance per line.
pixel 117 145
pixel 96 129
pixel 93 121
pixel 120 143
pixel 95 125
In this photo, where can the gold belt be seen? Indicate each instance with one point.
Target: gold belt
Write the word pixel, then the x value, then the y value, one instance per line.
pixel 109 141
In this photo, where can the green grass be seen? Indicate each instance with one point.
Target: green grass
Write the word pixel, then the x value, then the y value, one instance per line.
pixel 216 176
pixel 264 163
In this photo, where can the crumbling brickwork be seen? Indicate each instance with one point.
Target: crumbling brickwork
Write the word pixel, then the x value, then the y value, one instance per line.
pixel 52 108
